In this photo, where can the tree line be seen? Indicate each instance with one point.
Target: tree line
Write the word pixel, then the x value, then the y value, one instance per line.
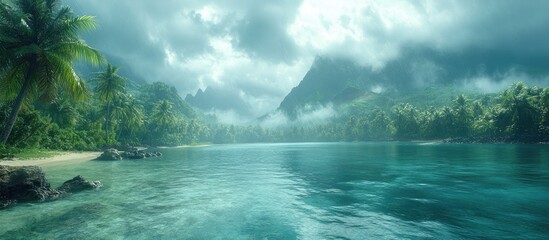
pixel 518 114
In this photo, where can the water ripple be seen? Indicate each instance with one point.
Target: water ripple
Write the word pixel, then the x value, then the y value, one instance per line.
pixel 303 191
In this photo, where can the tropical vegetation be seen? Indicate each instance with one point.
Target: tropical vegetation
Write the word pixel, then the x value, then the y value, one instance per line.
pixel 41 103
pixel 518 114
pixel 38 44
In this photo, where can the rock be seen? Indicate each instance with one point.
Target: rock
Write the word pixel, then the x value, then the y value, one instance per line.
pixel 128 153
pixel 6 203
pixel 131 149
pixel 134 155
pixel 139 154
pixel 24 184
pixel 29 183
pixel 110 154
pixel 126 148
pixel 78 184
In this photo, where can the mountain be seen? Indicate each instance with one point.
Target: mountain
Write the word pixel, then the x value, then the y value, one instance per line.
pixel 324 82
pixel 150 94
pixel 340 81
pixel 213 99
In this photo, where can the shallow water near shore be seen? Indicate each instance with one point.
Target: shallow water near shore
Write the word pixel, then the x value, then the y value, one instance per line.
pixel 304 191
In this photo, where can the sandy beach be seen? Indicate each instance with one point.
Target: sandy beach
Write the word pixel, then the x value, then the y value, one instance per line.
pixel 64 158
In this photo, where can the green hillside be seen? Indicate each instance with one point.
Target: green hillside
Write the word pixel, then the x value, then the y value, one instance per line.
pixel 430 97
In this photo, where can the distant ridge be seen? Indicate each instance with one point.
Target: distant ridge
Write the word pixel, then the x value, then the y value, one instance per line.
pixel 218 99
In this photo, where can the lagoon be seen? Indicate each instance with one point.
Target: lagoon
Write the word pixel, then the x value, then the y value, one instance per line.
pixel 389 190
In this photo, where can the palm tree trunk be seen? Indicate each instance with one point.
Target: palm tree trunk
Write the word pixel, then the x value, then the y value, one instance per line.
pixel 117 138
pixel 108 121
pixel 17 105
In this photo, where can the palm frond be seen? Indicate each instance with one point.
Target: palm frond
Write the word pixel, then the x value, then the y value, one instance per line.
pixel 46 88
pixel 52 4
pixel 109 84
pixel 78 50
pixel 66 28
pixel 26 50
pixel 65 76
pixel 82 23
pixel 48 33
pixel 63 13
pixel 11 81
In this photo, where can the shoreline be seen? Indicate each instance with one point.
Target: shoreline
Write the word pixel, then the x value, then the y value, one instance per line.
pixel 64 158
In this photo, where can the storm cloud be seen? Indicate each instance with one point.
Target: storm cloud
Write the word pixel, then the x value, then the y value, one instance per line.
pixel 261 49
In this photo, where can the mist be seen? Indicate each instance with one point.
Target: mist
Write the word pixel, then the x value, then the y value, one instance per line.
pixel 308 115
pixel 259 52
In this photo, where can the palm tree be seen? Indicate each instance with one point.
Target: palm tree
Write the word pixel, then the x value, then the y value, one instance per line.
pixel 128 111
pixel 380 125
pixel 524 115
pixel 463 117
pixel 38 44
pixel 108 86
pixel 544 106
pixel 63 113
pixel 163 115
pixel 406 121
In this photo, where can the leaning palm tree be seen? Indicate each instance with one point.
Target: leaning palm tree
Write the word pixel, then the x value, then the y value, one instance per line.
pixel 38 44
pixel 108 86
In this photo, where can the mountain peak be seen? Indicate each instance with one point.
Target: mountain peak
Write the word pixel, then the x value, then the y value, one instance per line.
pixel 326 78
pixel 212 99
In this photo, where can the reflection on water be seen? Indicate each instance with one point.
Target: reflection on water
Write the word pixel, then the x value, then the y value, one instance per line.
pixel 307 191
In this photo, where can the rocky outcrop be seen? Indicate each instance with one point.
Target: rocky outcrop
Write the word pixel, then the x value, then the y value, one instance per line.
pixel 130 153
pixel 78 184
pixel 110 154
pixel 140 154
pixel 29 183
pixel 23 184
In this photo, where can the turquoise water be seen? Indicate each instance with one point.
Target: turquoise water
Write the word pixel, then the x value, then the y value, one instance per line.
pixel 302 191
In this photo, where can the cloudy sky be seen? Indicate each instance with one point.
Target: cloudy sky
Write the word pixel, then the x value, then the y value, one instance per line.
pixel 261 49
